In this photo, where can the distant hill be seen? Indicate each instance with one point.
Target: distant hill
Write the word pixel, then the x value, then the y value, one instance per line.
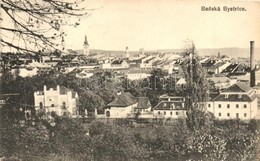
pixel 230 52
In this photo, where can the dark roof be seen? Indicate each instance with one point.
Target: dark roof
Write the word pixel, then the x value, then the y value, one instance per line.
pixel 230 68
pixel 213 95
pixel 168 105
pixel 123 100
pixel 238 87
pixel 236 98
pixel 217 65
pixel 143 103
pixel 208 63
pixel 117 62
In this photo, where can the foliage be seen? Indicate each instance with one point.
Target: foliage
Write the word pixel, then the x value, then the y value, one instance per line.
pixel 35 26
pixel 196 93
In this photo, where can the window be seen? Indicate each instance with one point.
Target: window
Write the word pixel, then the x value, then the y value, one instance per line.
pixel 52 105
pixel 177 113
pixel 228 114
pixel 219 114
pixel 159 112
pixel 219 105
pixel 64 105
pixel 164 112
pixel 237 115
pixel 208 105
pixel 245 106
pixel 245 114
pixel 228 105
pixel 237 106
pixel 41 105
pixel 170 113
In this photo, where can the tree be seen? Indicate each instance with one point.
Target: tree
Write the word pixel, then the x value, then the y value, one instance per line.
pixel 37 25
pixel 196 92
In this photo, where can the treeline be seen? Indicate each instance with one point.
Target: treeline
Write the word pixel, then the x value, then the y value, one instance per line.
pixel 69 139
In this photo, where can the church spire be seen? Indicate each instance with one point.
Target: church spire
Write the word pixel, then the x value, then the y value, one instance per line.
pixel 86 40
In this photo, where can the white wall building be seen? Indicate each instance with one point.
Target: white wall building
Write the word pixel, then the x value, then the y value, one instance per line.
pixel 138 74
pixel 170 107
pixel 237 101
pixel 126 105
pixel 60 100
pixel 25 72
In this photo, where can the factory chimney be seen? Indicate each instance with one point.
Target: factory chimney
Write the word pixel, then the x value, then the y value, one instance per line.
pixel 252 64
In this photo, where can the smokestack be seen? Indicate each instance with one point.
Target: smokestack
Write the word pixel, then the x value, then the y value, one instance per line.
pixel 252 65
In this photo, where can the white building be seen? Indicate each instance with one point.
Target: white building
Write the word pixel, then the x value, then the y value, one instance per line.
pixel 237 101
pixel 25 72
pixel 138 74
pixel 170 107
pixel 116 64
pixel 60 100
pixel 125 105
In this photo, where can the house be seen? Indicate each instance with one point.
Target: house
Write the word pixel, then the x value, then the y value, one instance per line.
pixel 138 74
pixel 60 100
pixel 237 101
pixel 143 105
pixel 236 69
pixel 170 107
pixel 119 64
pixel 116 64
pixel 125 105
pixel 218 67
pixel 147 62
pixel 24 71
pixel 222 82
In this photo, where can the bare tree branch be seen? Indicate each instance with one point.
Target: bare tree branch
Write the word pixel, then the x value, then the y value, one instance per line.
pixel 38 23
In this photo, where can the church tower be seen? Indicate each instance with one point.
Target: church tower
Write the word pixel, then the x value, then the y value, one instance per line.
pixel 86 46
pixel 127 52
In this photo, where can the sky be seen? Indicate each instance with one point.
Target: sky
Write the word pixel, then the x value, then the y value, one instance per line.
pixel 166 24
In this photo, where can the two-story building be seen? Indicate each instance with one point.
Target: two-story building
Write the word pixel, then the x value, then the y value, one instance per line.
pixel 60 100
pixel 170 107
pixel 237 101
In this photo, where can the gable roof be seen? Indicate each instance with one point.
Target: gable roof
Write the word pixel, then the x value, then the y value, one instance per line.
pixel 123 100
pixel 143 103
pixel 236 98
pixel 238 87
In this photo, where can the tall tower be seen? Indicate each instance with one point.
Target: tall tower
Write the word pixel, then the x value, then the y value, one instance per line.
pixel 127 52
pixel 86 46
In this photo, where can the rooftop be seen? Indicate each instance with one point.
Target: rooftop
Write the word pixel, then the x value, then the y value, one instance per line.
pixel 238 87
pixel 123 100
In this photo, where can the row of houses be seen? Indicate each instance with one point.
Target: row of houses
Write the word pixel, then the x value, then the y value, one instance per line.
pixel 237 101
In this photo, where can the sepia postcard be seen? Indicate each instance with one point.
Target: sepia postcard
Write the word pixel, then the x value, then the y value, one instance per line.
pixel 137 80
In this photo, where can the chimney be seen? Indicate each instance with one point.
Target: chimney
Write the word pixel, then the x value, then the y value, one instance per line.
pixel 252 65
